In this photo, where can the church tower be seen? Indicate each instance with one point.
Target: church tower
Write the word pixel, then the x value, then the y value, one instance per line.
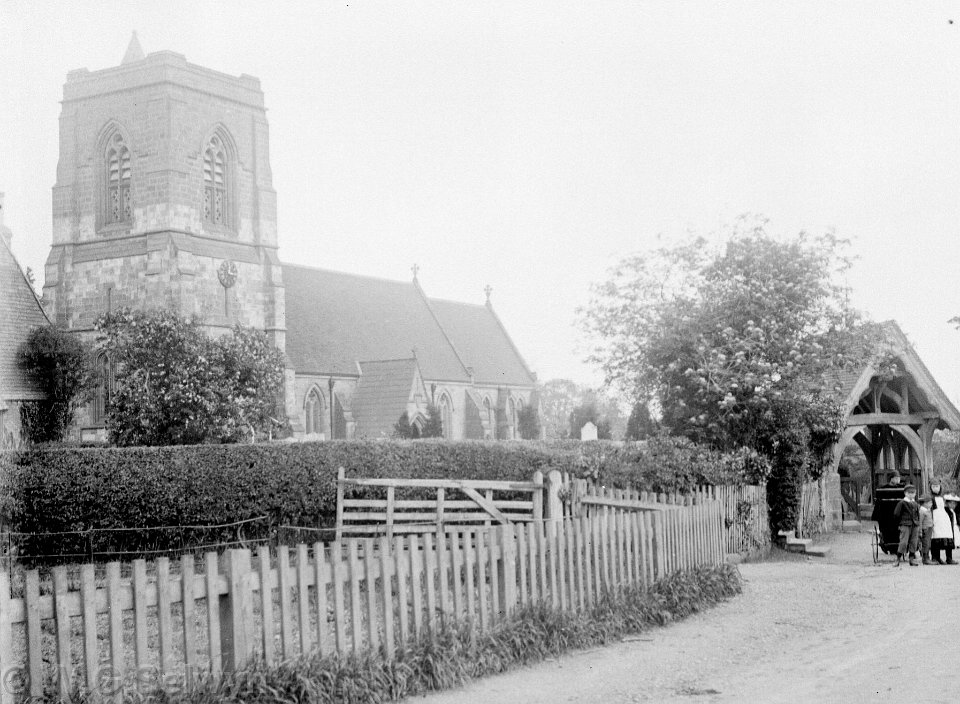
pixel 164 197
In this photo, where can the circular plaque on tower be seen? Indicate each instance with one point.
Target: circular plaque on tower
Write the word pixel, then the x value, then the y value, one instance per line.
pixel 227 273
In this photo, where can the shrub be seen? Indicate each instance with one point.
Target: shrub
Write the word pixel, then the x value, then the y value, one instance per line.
pixel 59 362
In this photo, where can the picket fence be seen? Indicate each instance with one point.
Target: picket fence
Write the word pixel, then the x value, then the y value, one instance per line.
pixel 168 623
pixel 743 509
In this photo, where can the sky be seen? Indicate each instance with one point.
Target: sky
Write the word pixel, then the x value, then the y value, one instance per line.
pixel 530 146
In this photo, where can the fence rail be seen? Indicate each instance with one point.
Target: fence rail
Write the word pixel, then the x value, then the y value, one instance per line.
pixel 454 503
pixel 111 635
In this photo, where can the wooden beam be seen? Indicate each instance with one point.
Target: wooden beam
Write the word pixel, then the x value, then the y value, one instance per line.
pixel 482 502
pixel 891 418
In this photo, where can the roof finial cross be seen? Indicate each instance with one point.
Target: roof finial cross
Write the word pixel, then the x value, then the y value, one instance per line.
pixel 488 289
pixel 415 268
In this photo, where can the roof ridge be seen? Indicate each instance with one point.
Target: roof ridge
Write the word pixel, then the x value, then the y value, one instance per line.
pixel 443 331
pixel 489 306
pixel 324 270
pixel 459 303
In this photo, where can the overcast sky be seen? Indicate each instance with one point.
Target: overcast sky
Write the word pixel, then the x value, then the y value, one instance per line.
pixel 530 145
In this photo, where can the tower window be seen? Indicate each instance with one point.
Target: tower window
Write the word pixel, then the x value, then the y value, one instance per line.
pixel 214 183
pixel 118 182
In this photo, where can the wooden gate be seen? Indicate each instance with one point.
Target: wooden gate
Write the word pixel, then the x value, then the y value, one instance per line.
pixel 434 505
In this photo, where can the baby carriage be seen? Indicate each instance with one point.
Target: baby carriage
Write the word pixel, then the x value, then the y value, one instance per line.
pixel 886 532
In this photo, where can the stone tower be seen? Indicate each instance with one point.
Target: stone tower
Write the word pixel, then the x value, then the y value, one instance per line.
pixel 164 197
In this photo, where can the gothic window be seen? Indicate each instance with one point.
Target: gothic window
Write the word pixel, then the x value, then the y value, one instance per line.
pixel 313 412
pixel 105 388
pixel 446 416
pixel 214 183
pixel 118 182
pixel 491 415
pixel 512 416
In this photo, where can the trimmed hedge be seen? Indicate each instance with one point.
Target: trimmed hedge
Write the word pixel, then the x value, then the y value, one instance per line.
pixel 52 490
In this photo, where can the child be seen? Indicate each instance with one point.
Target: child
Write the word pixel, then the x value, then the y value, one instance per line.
pixel 907 514
pixel 943 535
pixel 926 528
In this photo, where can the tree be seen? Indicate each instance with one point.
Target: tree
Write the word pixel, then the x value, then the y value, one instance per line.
pixel 640 424
pixel 403 429
pixel 529 422
pixel 433 425
pixel 737 345
pixel 587 413
pixel 177 385
pixel 559 397
pixel 60 364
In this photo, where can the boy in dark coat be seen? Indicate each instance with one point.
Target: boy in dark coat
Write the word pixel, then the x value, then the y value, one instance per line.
pixel 907 514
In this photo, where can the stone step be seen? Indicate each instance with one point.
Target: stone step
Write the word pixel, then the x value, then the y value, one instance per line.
pixel 798 544
pixel 853 526
pixel 817 550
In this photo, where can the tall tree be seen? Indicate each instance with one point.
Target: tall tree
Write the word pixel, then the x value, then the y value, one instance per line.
pixel 640 424
pixel 737 345
pixel 60 363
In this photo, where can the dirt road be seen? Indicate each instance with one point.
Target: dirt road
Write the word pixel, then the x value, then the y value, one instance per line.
pixel 839 629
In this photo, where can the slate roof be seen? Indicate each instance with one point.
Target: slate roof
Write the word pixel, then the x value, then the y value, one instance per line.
pixel 381 395
pixel 20 312
pixel 482 343
pixel 335 320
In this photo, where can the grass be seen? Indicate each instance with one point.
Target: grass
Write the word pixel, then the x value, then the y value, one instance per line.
pixel 458 653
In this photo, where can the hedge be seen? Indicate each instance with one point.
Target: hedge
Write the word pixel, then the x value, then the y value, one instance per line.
pixel 57 490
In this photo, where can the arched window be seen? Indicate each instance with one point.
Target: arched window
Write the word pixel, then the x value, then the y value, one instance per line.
pixel 215 183
pixel 104 389
pixel 446 415
pixel 314 416
pixel 118 182
pixel 512 416
pixel 491 416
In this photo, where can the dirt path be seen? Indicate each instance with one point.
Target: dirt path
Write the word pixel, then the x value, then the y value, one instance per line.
pixel 804 630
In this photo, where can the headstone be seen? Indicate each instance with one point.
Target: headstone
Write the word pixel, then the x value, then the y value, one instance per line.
pixel 588 431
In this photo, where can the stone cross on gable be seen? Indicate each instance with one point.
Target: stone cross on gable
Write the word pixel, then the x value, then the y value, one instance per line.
pixel 488 289
pixel 415 268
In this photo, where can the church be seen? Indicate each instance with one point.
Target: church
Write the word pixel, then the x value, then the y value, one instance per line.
pixel 164 197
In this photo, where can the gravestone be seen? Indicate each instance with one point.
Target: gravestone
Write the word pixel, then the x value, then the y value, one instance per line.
pixel 588 431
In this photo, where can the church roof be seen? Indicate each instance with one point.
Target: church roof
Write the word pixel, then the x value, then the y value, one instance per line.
pixel 383 391
pixel 482 342
pixel 20 312
pixel 335 320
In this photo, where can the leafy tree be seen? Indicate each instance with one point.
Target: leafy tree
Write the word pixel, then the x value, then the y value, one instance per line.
pixel 738 345
pixel 403 429
pixel 588 413
pixel 529 422
pixel 559 397
pixel 640 425
pixel 59 362
pixel 177 385
pixel 433 426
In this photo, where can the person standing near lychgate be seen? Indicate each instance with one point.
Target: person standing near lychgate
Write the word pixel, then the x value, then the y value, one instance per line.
pixel 943 537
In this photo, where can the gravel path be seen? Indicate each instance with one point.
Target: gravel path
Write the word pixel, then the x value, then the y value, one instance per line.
pixel 839 629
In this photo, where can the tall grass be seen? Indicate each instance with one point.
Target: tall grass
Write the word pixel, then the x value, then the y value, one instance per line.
pixel 456 653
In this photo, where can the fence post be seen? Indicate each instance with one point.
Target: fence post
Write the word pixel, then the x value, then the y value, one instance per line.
pixel 6 641
pixel 236 611
pixel 554 506
pixel 508 574
pixel 341 474
pixel 538 497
